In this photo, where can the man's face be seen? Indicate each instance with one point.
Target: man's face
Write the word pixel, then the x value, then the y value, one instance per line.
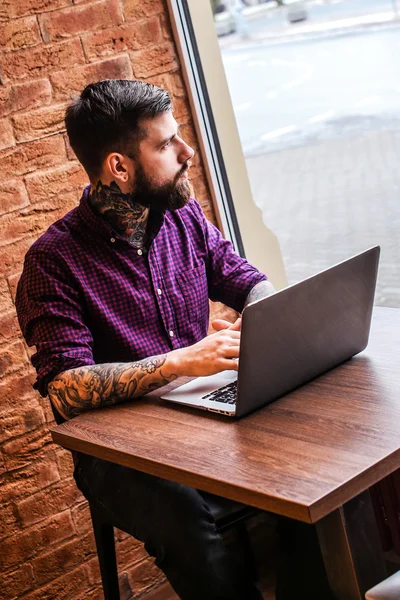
pixel 160 178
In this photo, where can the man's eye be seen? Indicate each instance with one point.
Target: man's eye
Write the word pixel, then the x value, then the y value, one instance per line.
pixel 167 144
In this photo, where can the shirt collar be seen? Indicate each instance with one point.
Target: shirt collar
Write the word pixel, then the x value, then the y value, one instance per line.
pixel 99 226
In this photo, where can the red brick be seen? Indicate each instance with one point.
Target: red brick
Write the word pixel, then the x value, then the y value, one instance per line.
pixel 71 21
pixel 9 327
pixel 13 282
pixel 188 134
pixel 3 469
pixel 154 60
pixel 81 518
pixel 5 101
pixel 19 33
pixel 72 81
pixel 49 501
pixel 19 581
pixel 138 9
pixel 33 62
pixel 26 96
pixel 132 36
pixel 130 551
pixel 16 226
pixel 58 560
pixel 70 153
pixel 16 549
pixel 125 589
pixel 12 358
pixel 6 134
pixel 18 453
pixel 49 416
pixel 28 157
pixel 12 257
pixel 172 82
pixel 45 184
pixel 8 522
pixel 37 475
pixel 19 422
pixel 93 571
pixel 13 196
pixel 181 110
pixel 120 535
pixel 39 123
pixel 64 460
pixel 71 585
pixel 16 388
pixel 11 9
pixel 5 296
pixel 143 576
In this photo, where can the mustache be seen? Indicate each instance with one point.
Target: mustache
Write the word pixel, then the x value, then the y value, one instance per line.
pixel 183 170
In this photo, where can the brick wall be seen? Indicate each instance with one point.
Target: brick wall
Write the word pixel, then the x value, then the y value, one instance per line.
pixel 50 49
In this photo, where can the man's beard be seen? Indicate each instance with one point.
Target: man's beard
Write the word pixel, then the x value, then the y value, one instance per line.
pixel 170 196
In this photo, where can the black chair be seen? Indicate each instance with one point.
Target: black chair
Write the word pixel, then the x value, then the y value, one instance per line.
pixel 227 515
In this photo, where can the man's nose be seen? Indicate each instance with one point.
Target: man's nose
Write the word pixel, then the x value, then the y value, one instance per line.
pixel 186 152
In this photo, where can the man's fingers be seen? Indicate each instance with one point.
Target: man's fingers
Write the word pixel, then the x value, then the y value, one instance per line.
pixel 227 364
pixel 220 324
pixel 237 325
pixel 231 352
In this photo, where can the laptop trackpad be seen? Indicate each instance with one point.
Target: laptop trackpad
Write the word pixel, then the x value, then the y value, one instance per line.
pixel 192 392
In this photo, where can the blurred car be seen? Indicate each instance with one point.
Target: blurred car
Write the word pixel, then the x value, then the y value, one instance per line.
pixel 296 11
pixel 224 23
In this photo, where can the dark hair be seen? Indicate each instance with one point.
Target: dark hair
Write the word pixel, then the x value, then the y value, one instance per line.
pixel 106 118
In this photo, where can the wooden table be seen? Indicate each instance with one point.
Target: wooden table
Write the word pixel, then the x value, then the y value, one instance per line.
pixel 310 455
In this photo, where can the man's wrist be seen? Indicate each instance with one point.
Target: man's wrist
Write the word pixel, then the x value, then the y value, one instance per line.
pixel 175 364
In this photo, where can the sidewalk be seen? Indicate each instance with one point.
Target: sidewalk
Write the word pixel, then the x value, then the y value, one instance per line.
pixel 292 32
pixel 330 200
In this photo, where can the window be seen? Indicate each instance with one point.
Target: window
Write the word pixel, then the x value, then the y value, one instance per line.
pixel 313 106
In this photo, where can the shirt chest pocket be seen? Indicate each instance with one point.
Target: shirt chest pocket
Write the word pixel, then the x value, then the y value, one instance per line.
pixel 194 289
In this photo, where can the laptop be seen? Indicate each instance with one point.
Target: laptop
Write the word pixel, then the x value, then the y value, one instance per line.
pixel 291 337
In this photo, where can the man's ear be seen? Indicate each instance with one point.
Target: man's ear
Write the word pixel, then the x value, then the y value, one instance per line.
pixel 116 167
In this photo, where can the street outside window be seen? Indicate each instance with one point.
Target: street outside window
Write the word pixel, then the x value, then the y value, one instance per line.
pixel 315 87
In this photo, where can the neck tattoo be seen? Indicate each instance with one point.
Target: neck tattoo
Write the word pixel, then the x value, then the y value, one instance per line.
pixel 120 210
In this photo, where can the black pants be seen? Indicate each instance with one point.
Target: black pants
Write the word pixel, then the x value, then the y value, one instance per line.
pixel 176 526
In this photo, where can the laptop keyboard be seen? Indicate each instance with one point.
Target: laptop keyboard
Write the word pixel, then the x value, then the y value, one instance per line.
pixel 225 394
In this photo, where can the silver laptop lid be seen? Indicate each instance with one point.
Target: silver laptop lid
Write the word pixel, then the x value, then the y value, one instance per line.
pixel 305 330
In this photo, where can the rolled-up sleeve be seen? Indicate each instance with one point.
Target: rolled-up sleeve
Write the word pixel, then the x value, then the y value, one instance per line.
pixel 51 317
pixel 230 277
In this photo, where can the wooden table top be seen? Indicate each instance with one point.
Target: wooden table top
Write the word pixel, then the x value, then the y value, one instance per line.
pixel 301 456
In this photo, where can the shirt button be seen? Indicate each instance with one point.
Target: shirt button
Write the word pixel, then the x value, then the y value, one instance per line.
pixel 159 292
pixel 112 240
pixel 140 252
pixel 171 334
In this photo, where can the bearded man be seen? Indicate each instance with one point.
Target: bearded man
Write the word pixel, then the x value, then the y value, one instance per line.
pixel 115 297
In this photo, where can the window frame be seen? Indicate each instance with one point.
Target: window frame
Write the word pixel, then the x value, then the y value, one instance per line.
pixel 238 217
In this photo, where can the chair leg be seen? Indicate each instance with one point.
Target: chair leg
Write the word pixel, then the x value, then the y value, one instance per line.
pixel 105 544
pixel 248 553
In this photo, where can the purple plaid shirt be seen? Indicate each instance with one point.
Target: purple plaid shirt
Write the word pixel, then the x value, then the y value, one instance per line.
pixel 86 296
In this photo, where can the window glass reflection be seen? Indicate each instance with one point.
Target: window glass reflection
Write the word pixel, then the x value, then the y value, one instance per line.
pixel 315 87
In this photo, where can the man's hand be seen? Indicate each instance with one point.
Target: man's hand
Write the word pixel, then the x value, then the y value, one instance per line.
pixel 221 324
pixel 215 353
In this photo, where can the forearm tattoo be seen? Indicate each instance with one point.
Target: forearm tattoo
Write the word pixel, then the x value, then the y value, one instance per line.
pixel 121 211
pixel 92 386
pixel 260 291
